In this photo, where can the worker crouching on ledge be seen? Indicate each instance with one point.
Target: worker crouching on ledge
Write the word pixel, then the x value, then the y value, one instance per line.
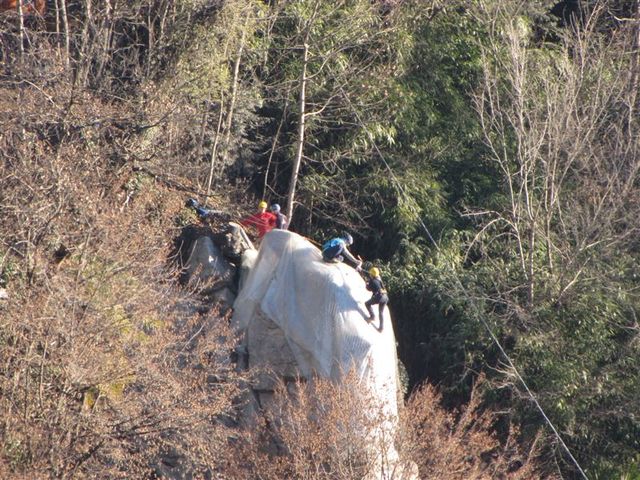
pixel 336 251
pixel 379 295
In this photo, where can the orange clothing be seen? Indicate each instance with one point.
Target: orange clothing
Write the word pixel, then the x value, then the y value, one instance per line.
pixel 262 221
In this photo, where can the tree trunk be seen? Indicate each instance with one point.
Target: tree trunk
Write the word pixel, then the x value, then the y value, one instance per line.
pixel 86 46
pixel 234 88
pixel 214 150
pixel 275 143
pixel 635 68
pixel 150 42
pixel 21 26
pixel 301 129
pixel 531 265
pixel 65 26
pixel 57 8
pixel 105 34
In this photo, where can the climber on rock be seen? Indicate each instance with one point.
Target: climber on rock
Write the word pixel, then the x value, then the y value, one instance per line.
pixel 379 295
pixel 262 221
pixel 335 251
pixel 281 218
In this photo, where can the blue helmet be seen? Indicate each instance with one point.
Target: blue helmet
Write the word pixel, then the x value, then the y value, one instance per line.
pixel 347 238
pixel 275 207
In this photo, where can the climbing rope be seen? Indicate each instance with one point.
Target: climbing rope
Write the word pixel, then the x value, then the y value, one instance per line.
pixel 476 309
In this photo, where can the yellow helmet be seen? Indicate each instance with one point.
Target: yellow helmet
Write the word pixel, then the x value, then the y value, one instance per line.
pixel 262 204
pixel 374 272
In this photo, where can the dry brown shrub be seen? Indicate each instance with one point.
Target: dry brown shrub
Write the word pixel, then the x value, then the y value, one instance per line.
pixel 104 369
pixel 315 430
pixel 323 430
pixel 461 445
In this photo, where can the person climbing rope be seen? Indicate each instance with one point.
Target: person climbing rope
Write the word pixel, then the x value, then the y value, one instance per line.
pixel 281 218
pixel 335 251
pixel 262 221
pixel 379 295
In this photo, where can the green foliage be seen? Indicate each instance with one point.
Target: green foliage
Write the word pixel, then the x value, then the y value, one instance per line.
pixel 353 51
pixel 8 269
pixel 436 123
pixel 204 69
pixel 577 352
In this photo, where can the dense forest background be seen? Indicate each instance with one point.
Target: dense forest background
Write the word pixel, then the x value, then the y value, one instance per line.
pixel 486 154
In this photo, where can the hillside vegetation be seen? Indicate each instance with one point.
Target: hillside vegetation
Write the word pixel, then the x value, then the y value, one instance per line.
pixel 486 155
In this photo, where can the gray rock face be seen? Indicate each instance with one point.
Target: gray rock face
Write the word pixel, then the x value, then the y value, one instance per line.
pixel 207 268
pixel 233 241
pixel 224 296
pixel 268 346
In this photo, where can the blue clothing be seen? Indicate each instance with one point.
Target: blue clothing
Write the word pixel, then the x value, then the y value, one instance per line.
pixel 333 248
pixel 203 213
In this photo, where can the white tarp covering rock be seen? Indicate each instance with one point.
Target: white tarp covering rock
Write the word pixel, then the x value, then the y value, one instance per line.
pixel 301 316
pixel 320 309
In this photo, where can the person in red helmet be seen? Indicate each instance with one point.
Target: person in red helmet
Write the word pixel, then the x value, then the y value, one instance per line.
pixel 262 221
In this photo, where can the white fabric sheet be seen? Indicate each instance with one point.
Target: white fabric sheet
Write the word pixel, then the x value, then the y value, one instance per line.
pixel 320 308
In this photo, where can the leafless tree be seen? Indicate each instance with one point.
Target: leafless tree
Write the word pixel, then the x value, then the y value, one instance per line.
pixel 560 127
pixel 326 52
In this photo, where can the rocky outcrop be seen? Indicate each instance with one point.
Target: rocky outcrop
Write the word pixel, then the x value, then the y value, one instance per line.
pixel 211 259
pixel 269 354
pixel 207 268
pixel 299 317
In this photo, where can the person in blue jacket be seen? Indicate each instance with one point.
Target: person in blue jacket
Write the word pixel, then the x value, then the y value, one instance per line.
pixel 335 251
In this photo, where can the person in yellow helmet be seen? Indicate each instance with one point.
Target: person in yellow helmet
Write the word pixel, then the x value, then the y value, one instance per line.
pixel 379 295
pixel 262 221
